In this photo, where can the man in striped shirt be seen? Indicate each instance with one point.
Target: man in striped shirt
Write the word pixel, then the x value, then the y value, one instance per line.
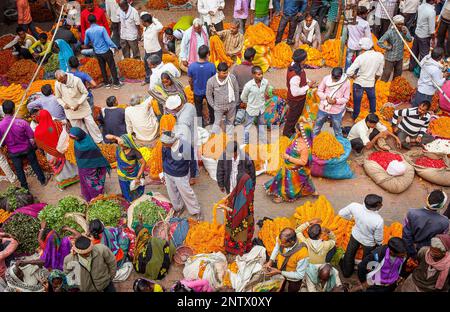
pixel 413 125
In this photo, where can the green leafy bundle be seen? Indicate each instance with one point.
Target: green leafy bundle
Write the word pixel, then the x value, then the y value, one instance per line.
pixel 108 211
pixel 26 229
pixel 14 198
pixel 150 212
pixel 54 214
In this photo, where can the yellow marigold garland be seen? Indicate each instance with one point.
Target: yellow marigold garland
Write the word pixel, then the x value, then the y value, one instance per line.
pixel 281 55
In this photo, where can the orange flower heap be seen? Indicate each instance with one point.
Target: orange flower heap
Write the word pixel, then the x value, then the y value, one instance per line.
pixel 440 127
pixel 271 230
pixel 92 68
pixel 314 57
pixel 326 146
pixel 217 51
pixel 189 94
pixel 400 90
pixel 132 68
pixel 259 34
pixel 331 51
pixel 22 71
pixel 38 84
pixel 169 58
pixel 281 55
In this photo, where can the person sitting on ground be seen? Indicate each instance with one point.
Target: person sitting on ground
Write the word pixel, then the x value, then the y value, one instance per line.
pixel 48 102
pixel 319 251
pixel 291 259
pixel 322 278
pixel 169 40
pixel 26 276
pixel 87 80
pixel 42 48
pixel 368 132
pixel 168 86
pixel 146 285
pixel 432 273
pixel 413 126
pixel 112 119
pixel 157 67
pixel 96 263
pixel 243 71
pixel 233 163
pixel 21 43
pixel 334 93
pixel 380 270
pixel 177 174
pixel 367 231
pixel 233 40
pixel 420 225
pixel 64 32
pixel 57 282
pixel 308 32
pixel 141 121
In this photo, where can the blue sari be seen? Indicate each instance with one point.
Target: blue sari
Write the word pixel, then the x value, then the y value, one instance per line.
pixel 65 53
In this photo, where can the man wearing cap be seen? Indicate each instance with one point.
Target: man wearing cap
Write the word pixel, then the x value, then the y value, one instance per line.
pixel 422 224
pixel 178 162
pixel 94 266
pixel 394 47
pixel 186 125
pixel 380 270
pixel 366 70
pixel 193 38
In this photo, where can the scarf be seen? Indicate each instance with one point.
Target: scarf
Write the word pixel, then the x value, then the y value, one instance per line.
pixel 310 30
pixel 47 133
pixel 55 250
pixel 234 172
pixel 334 87
pixel 442 265
pixel 64 54
pixel 87 153
pixel 312 271
pixel 127 169
pixel 193 50
pixel 160 92
pixel 231 97
pixel 59 274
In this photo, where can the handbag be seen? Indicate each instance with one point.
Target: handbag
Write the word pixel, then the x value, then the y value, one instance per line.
pixel 63 141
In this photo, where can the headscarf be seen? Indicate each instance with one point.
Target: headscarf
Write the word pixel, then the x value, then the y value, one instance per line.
pixel 442 265
pixel 125 168
pixel 87 153
pixel 58 274
pixel 47 133
pixel 160 92
pixel 366 43
pixel 64 54
pixel 398 19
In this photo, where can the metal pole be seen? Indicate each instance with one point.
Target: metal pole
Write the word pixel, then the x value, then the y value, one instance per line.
pixel 31 81
pixel 410 51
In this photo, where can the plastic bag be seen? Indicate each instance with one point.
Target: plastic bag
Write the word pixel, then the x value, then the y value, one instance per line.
pixel 63 141
pixel 396 168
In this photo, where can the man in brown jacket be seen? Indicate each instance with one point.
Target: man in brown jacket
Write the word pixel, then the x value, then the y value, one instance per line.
pixel 92 267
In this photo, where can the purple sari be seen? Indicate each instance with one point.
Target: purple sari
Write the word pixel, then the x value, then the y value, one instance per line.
pixel 92 181
pixel 55 250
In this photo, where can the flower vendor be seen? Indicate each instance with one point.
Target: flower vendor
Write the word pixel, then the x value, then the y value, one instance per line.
pixel 233 40
pixel 308 32
pixel 193 38
pixel 21 43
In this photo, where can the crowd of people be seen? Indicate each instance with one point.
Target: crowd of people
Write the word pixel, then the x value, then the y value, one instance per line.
pixel 417 261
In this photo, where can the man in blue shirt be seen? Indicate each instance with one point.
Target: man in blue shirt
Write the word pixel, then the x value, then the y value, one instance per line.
pixel 102 44
pixel 85 78
pixel 48 102
pixel 199 73
pixel 292 14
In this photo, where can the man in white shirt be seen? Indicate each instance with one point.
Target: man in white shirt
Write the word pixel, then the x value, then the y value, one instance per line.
pixel 211 11
pixel 194 37
pixel 368 132
pixel 141 121
pixel 254 96
pixel 408 8
pixel 361 29
pixel 426 23
pixel 158 67
pixel 130 32
pixel 370 66
pixel 367 231
pixel 152 44
pixel 112 11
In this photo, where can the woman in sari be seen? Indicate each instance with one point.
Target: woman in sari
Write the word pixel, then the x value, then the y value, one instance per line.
pixel 239 218
pixel 64 51
pixel 293 180
pixel 92 165
pixel 114 238
pixel 152 255
pixel 130 166
pixel 46 135
pixel 168 86
pixel 54 248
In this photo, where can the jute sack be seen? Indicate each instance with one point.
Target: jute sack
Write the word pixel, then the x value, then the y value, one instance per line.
pixel 433 175
pixel 392 184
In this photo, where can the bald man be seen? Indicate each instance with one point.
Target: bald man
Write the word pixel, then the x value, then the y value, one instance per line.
pixel 322 278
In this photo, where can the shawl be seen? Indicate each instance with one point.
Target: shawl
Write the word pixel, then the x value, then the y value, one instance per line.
pixel 127 168
pixel 231 97
pixel 55 250
pixel 442 265
pixel 161 92
pixel 193 49
pixel 241 200
pixel 64 54
pixel 87 153
pixel 310 30
pixel 47 133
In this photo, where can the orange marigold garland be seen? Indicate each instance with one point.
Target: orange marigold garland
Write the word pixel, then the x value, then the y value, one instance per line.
pixel 331 50
pixel 275 23
pixel 38 84
pixel 169 58
pixel 314 57
pixel 260 34
pixel 326 146
pixel 14 92
pixel 440 127
pixel 189 94
pixel 217 51
pixel 400 90
pixel 155 162
pixel 271 230
pixel 22 71
pixel 167 123
pixel 6 60
pixel 131 68
pixel 281 55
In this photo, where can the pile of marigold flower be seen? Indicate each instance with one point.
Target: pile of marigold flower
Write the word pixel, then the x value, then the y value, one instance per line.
pixel 440 127
pixel 217 51
pixel 281 55
pixel 131 68
pixel 314 57
pixel 22 71
pixel 400 90
pixel 326 146
pixel 38 84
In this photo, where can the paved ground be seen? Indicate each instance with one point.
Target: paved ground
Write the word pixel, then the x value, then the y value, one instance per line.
pixel 340 193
